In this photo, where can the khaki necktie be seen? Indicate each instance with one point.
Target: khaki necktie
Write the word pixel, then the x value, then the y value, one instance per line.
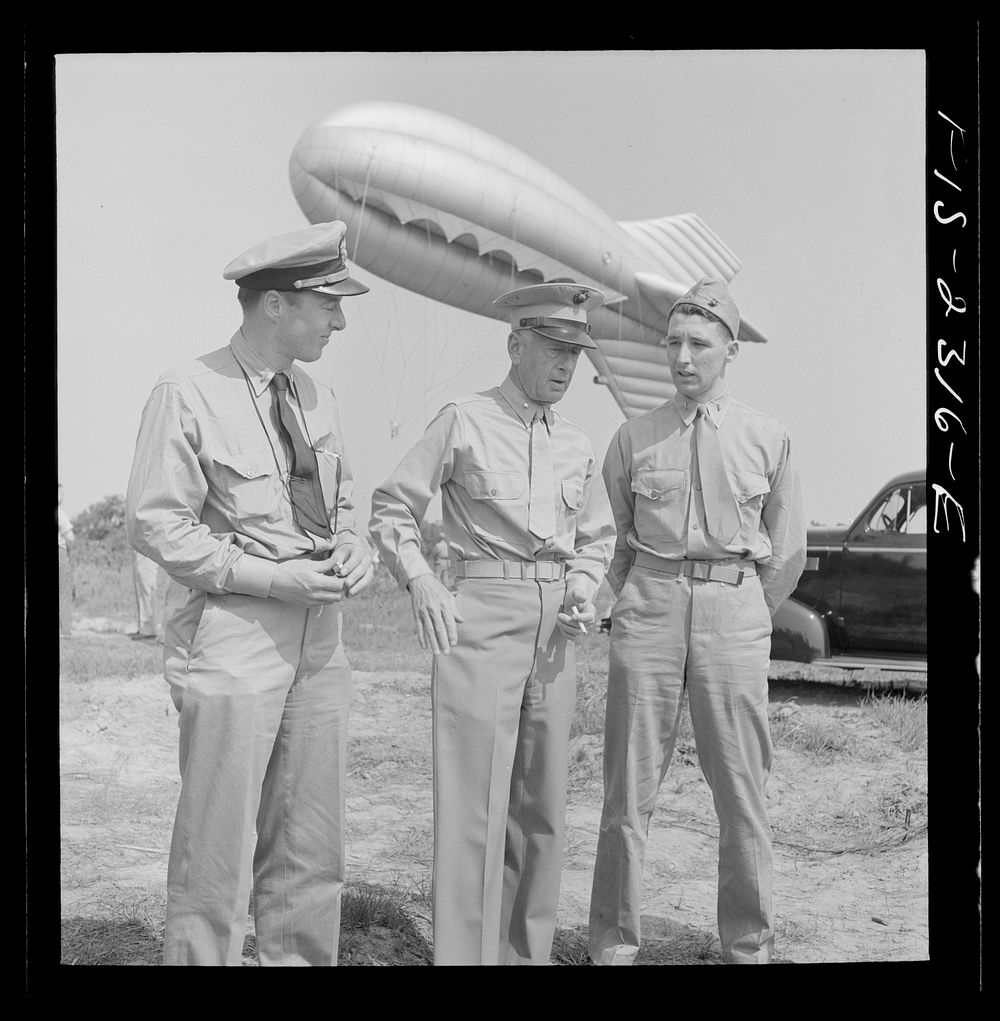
pixel 541 494
pixel 721 515
pixel 305 490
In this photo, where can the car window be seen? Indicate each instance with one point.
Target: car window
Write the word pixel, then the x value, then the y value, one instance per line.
pixel 902 512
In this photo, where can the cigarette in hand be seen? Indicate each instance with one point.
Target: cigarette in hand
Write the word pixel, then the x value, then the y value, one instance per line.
pixel 575 612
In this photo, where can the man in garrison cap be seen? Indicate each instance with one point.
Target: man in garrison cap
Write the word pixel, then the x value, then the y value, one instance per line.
pixel 711 539
pixel 241 490
pixel 524 504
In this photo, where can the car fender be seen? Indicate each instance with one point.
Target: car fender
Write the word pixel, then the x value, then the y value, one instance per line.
pixel 798 633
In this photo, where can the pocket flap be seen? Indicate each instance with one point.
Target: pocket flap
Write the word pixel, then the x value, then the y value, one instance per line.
pixel 482 485
pixel 249 464
pixel 572 494
pixel 747 485
pixel 656 482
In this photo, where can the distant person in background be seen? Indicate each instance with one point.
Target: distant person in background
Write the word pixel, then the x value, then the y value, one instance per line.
pixel 442 560
pixel 523 498
pixel 241 490
pixel 711 539
pixel 67 587
pixel 150 583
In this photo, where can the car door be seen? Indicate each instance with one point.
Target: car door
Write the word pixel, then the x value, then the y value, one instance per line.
pixel 883 597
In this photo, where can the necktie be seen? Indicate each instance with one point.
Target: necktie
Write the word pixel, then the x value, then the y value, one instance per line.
pixel 721 515
pixel 305 491
pixel 541 495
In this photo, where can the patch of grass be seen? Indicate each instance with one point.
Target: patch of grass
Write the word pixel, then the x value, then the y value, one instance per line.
pixel 377 927
pixel 820 737
pixel 102 578
pixel 133 935
pixel 87 658
pixel 904 717
pixel 367 904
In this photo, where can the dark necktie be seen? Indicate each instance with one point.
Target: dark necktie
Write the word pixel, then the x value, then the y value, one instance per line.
pixel 721 516
pixel 308 505
pixel 541 487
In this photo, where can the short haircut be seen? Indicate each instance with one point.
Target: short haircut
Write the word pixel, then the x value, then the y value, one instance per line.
pixel 248 298
pixel 687 309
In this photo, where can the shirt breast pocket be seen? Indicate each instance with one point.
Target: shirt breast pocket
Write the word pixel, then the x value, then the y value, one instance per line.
pixel 750 490
pixel 495 486
pixel 499 503
pixel 247 483
pixel 329 461
pixel 572 499
pixel 660 497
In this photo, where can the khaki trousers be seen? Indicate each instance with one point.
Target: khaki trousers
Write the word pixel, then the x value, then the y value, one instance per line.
pixel 713 639
pixel 503 702
pixel 263 689
pixel 150 583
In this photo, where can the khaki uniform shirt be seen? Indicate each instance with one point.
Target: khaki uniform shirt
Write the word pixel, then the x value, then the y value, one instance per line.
pixel 476 451
pixel 658 507
pixel 207 496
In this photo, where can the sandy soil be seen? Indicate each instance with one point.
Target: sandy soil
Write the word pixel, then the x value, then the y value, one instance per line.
pixel 850 829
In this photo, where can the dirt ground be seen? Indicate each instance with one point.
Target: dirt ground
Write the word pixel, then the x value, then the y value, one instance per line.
pixel 849 825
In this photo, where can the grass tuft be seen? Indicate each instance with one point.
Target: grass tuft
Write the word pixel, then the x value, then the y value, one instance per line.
pixel 904 717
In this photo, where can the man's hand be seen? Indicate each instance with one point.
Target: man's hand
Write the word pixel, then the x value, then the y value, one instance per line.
pixel 577 613
pixel 353 563
pixel 435 614
pixel 307 582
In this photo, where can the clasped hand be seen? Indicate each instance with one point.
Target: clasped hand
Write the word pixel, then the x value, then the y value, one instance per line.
pixel 343 574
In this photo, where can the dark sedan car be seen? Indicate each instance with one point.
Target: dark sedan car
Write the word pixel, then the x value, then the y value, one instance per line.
pixel 863 594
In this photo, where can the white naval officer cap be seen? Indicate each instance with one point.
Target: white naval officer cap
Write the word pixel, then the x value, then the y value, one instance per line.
pixel 311 259
pixel 556 311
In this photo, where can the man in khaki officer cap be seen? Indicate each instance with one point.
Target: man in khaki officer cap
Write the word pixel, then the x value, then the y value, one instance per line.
pixel 240 489
pixel 711 539
pixel 524 503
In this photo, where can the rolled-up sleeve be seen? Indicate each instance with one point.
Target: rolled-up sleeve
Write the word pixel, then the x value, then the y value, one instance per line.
pixel 618 482
pixel 783 516
pixel 400 503
pixel 166 493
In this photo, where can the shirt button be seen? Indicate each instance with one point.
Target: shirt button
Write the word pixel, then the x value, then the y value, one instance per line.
pixel 694 528
pixel 251 474
pixel 493 492
pixel 697 486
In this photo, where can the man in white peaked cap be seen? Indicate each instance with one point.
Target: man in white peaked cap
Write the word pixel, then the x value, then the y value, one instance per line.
pixel 241 490
pixel 711 539
pixel 524 503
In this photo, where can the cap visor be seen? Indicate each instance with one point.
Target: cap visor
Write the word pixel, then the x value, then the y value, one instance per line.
pixel 342 288
pixel 564 336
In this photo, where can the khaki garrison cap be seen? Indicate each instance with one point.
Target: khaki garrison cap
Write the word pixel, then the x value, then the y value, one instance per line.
pixel 556 311
pixel 713 296
pixel 312 259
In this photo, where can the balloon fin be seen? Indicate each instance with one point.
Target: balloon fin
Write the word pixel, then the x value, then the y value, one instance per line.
pixel 683 248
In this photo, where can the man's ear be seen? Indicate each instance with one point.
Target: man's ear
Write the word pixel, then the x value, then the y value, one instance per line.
pixel 273 304
pixel 732 351
pixel 514 348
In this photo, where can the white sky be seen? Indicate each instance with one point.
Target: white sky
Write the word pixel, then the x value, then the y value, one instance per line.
pixel 808 164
